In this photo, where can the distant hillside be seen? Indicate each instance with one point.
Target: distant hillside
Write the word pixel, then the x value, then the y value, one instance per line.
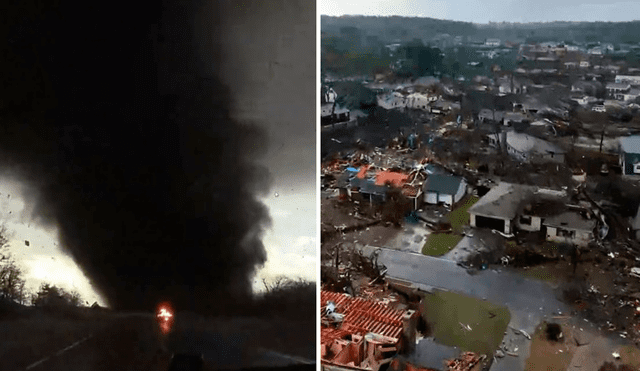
pixel 405 29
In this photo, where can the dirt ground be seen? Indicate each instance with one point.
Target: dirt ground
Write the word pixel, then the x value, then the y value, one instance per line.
pixel 601 288
pixel 548 355
pixel 581 348
pixel 336 213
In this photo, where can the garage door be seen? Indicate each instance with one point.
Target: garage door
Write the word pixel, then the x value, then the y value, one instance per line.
pixel 491 223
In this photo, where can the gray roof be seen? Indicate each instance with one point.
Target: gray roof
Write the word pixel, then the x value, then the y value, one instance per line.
pixel 502 201
pixel 630 144
pixel 570 220
pixel 367 186
pixel 514 116
pixel 525 143
pixel 615 85
pixel 444 184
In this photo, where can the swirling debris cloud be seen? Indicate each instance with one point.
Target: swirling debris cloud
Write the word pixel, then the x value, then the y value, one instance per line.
pixel 115 119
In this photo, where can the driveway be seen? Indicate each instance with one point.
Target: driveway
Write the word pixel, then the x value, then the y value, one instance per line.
pixel 411 239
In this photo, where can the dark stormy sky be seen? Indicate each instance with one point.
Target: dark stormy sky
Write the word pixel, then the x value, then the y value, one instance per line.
pixel 162 152
pixel 484 11
pixel 277 90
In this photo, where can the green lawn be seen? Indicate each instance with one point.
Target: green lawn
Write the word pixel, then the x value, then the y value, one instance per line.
pixel 440 243
pixel 459 217
pixel 444 311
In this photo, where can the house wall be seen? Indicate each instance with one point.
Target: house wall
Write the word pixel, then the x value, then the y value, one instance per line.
pixel 535 158
pixel 535 226
pixel 516 154
pixel 416 202
pixel 434 198
pixel 431 198
pixel 445 199
pixel 462 190
pixel 507 223
pixel 628 160
pixel 557 158
pixel 580 238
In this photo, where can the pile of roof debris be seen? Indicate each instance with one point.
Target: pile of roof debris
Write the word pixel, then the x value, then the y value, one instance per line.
pixel 465 362
pixel 362 334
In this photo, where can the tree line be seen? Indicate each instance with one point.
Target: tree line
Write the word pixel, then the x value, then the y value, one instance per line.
pixel 13 289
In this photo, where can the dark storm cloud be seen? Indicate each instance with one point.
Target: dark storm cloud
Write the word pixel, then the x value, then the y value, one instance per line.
pixel 113 116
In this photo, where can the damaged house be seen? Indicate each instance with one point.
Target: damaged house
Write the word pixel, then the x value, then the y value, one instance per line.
pixel 392 100
pixel 360 334
pixel 330 113
pixel 576 227
pixel 420 101
pixel 499 207
pixel 444 189
pixel 508 207
pixel 539 206
pixel 371 185
pixel 487 115
pixel 629 155
pixel 527 148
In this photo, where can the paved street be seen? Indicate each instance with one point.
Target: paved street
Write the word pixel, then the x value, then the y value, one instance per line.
pixel 529 301
pixel 134 343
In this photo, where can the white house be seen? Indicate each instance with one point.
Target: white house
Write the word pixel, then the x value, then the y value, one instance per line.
pixel 499 207
pixel 509 206
pixel 631 95
pixel 540 207
pixel 630 155
pixel 527 148
pixel 616 90
pixel 330 96
pixel 444 189
pixel 420 101
pixel 392 101
pixel 570 227
pixel 633 80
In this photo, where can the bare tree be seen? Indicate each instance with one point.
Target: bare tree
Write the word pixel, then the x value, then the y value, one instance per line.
pixel 396 207
pixel 275 284
pixel 11 282
pixel 12 285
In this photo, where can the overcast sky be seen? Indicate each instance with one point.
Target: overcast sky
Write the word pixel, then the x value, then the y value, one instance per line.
pixel 484 11
pixel 36 249
pixel 274 44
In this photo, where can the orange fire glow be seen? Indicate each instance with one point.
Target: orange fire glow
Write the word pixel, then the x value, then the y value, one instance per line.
pixel 165 317
pixel 165 314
